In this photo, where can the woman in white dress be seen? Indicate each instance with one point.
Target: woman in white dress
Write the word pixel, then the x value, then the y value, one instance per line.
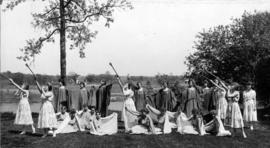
pixel 129 119
pixel 47 118
pixel 236 116
pixel 250 111
pixel 222 104
pixel 23 114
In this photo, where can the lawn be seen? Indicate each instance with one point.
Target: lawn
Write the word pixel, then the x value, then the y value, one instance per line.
pixel 258 138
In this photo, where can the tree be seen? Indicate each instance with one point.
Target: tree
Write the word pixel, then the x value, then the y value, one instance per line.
pixel 233 51
pixel 71 19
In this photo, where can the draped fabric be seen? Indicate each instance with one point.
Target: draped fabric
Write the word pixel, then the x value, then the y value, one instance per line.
pixel 140 99
pixel 213 99
pixel 129 114
pixel 216 126
pixel 103 96
pixel 206 98
pixel 74 95
pixel 61 99
pixel 68 126
pixel 191 99
pixel 92 97
pixel 107 126
pixel 168 121
pixel 83 98
pixel 165 100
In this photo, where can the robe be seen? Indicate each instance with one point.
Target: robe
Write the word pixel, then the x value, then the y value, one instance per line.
pixel 191 98
pixel 103 96
pixel 213 98
pixel 62 99
pixel 140 99
pixel 165 100
pixel 206 98
pixel 83 98
pixel 92 101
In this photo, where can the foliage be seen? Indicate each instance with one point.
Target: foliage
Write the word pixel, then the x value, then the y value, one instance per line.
pixel 232 51
pixel 78 16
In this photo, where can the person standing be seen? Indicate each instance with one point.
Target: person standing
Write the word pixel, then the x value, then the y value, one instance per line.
pixel 165 98
pixel 23 113
pixel 47 118
pixel 191 98
pixel 83 96
pixel 250 111
pixel 222 104
pixel 140 97
pixel 236 116
pixel 92 101
pixel 62 99
pixel 103 95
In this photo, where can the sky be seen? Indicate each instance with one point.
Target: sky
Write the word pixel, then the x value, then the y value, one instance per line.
pixel 154 37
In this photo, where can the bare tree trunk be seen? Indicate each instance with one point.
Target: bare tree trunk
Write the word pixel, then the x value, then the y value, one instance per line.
pixel 62 41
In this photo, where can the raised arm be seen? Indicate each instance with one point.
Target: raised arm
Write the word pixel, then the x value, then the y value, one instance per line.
pixel 221 88
pixel 223 85
pixel 17 86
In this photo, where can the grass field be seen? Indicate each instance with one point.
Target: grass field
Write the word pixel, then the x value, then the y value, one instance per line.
pixel 10 137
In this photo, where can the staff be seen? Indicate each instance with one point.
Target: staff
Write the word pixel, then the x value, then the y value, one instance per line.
pixel 120 81
pixel 31 71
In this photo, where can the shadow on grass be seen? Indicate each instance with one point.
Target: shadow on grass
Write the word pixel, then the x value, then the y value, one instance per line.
pixel 17 132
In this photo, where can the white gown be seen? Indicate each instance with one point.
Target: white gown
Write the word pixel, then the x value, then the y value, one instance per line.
pixel 250 112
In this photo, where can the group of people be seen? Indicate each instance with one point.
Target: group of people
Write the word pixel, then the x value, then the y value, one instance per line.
pixel 78 119
pixel 195 110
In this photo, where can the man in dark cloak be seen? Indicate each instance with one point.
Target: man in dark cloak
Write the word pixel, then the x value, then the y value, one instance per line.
pixel 103 95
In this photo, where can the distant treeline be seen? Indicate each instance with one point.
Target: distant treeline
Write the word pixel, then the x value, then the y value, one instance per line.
pixel 90 78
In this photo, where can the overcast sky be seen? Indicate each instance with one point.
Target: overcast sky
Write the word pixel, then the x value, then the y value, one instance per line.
pixel 154 37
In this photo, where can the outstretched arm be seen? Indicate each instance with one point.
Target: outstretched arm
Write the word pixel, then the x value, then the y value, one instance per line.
pixel 17 86
pixel 217 85
pixel 223 85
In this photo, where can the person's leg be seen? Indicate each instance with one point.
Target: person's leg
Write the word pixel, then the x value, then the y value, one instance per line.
pixel 33 128
pixel 23 130
pixel 45 133
pixel 243 132
pixel 251 125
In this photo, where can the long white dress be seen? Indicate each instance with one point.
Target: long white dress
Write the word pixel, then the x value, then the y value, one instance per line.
pixel 105 126
pixel 236 116
pixel 222 104
pixel 250 112
pixel 47 117
pixel 23 114
pixel 129 119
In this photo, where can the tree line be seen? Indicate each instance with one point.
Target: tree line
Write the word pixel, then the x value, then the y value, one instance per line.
pixel 239 52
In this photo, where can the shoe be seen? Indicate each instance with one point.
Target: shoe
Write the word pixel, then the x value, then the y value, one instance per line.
pixel 45 135
pixel 251 128
pixel 244 135
pixel 23 132
pixel 34 131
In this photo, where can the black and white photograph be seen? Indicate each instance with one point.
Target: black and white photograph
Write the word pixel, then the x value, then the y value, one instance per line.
pixel 135 73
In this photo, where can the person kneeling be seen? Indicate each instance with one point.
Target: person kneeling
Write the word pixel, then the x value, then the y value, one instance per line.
pixel 215 126
pixel 145 124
